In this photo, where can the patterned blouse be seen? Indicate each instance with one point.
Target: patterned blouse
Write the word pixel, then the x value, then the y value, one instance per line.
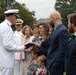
pixel 32 68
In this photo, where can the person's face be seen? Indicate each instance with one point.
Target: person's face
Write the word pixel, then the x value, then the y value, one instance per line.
pixel 27 32
pixel 35 33
pixel 39 63
pixel 33 55
pixel 41 30
pixel 51 21
pixel 70 27
pixel 18 27
pixel 13 19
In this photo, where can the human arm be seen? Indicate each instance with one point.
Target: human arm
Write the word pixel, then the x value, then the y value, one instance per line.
pixel 63 45
pixel 35 43
pixel 21 56
pixel 9 42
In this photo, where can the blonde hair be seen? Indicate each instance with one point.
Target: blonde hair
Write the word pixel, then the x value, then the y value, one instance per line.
pixel 23 29
pixel 42 58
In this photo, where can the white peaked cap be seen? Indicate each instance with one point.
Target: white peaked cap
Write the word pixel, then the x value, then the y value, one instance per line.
pixel 19 21
pixel 12 11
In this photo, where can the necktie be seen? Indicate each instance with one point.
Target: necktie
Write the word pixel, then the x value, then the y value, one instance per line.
pixel 52 31
pixel 71 38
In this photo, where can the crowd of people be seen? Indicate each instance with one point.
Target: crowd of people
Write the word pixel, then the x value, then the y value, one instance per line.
pixel 52 50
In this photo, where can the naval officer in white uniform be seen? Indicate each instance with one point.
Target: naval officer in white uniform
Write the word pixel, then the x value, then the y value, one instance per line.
pixel 7 43
pixel 19 58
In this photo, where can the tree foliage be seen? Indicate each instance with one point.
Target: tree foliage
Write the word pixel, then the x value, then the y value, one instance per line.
pixel 65 7
pixel 4 4
pixel 24 13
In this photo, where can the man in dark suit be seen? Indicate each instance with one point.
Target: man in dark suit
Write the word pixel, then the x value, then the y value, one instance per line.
pixel 71 54
pixel 58 43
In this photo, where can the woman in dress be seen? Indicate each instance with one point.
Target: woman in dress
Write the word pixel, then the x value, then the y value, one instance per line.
pixel 27 31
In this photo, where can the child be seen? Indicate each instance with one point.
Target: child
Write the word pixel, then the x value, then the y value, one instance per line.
pixel 41 61
pixel 33 66
pixel 37 37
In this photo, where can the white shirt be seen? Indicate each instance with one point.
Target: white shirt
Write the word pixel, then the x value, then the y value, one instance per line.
pixel 7 45
pixel 75 33
pixel 18 37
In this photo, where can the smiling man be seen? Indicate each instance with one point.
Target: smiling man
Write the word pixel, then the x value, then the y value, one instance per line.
pixel 7 43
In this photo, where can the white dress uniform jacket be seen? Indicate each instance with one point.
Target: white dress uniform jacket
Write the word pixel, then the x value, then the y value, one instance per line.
pixel 18 38
pixel 7 45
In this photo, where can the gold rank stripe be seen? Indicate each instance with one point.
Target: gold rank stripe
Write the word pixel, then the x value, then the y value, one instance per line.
pixel 8 24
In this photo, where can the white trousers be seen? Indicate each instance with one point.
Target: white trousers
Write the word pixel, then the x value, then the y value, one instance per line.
pixel 6 71
pixel 18 67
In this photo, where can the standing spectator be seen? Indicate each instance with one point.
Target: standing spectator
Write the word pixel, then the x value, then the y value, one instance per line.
pixel 7 43
pixel 41 61
pixel 33 66
pixel 70 28
pixel 27 31
pixel 44 31
pixel 58 44
pixel 71 54
pixel 18 38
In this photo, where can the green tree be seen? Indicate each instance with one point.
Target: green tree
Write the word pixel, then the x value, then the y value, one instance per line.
pixel 25 14
pixel 65 7
pixel 4 5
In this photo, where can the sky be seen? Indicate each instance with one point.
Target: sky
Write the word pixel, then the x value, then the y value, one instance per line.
pixel 42 8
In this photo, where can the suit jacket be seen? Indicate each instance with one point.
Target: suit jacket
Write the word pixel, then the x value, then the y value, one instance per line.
pixel 71 58
pixel 58 44
pixel 7 45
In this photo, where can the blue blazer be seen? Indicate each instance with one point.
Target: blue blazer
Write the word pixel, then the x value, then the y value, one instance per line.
pixel 57 48
pixel 71 58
